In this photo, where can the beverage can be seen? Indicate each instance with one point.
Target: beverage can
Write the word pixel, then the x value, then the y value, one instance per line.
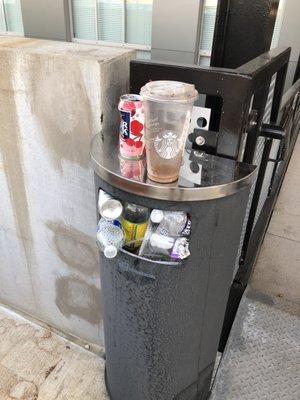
pixel 132 126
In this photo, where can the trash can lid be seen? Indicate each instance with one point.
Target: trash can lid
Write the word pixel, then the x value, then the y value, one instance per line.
pixel 202 176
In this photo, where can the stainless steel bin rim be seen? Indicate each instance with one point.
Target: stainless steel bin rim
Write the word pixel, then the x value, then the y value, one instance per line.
pixel 202 176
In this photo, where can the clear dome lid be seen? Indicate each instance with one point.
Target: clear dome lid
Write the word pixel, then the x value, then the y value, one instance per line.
pixel 169 91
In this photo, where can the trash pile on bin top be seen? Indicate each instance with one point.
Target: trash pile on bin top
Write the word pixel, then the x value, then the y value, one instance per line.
pixel 153 125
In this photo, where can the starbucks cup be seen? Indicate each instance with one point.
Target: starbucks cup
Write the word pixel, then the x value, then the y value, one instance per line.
pixel 168 107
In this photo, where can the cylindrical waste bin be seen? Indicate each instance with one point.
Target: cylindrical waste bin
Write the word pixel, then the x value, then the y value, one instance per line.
pixel 162 320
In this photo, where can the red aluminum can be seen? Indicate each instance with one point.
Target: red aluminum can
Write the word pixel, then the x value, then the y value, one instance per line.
pixel 132 126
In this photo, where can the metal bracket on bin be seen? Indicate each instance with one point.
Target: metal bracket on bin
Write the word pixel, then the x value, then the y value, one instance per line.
pixel 204 140
pixel 275 132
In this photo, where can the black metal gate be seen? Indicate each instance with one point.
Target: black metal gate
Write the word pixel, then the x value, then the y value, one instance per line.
pixel 247 131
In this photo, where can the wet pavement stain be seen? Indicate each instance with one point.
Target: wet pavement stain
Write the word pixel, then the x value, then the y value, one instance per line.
pixel 75 248
pixel 76 297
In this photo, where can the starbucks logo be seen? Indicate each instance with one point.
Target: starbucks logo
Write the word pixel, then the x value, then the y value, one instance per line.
pixel 167 146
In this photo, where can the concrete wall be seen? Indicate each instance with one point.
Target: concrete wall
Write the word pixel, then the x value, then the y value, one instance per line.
pixel 290 36
pixel 52 97
pixel 46 19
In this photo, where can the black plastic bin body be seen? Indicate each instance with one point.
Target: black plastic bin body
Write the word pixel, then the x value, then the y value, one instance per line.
pixel 162 322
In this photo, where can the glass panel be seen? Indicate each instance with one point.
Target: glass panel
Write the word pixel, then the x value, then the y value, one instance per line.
pixel 139 21
pixel 278 23
pixel 13 15
pixel 145 55
pixel 111 20
pixel 208 27
pixel 2 20
pixel 84 19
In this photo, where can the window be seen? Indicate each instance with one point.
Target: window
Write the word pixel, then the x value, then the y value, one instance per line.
pixel 125 23
pixel 11 17
pixel 208 27
pixel 278 23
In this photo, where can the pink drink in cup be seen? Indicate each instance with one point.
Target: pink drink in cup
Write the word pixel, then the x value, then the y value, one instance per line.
pixel 168 107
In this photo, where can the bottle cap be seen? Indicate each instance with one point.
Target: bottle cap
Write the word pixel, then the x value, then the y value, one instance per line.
pixel 156 216
pixel 111 209
pixel 110 251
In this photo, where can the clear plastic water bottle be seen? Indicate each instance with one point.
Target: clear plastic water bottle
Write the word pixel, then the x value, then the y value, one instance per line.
pixel 110 238
pixel 173 223
pixel 109 207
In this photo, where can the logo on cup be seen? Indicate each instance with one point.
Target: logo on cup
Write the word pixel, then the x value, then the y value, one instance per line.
pixel 167 146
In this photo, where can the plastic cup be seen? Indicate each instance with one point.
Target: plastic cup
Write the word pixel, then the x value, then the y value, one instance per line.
pixel 168 107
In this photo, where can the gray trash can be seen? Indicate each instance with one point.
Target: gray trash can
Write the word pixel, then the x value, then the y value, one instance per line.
pixel 162 320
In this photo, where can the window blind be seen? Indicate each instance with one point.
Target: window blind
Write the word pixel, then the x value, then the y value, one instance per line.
pixel 144 55
pixel 208 24
pixel 139 21
pixel 2 19
pixel 13 16
pixel 84 19
pixel 278 23
pixel 111 20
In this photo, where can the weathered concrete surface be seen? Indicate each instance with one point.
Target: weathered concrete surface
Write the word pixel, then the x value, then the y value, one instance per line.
pixel 277 270
pixel 53 97
pixel 37 364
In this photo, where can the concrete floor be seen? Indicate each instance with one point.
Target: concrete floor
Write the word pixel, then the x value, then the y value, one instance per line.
pixel 261 360
pixel 277 268
pixel 36 364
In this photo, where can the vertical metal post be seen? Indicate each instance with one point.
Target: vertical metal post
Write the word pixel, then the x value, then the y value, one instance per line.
pixel 237 40
pixel 259 104
pixel 97 19
pixel 297 72
pixel 219 39
pixel 69 20
pixel 199 32
pixel 257 192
